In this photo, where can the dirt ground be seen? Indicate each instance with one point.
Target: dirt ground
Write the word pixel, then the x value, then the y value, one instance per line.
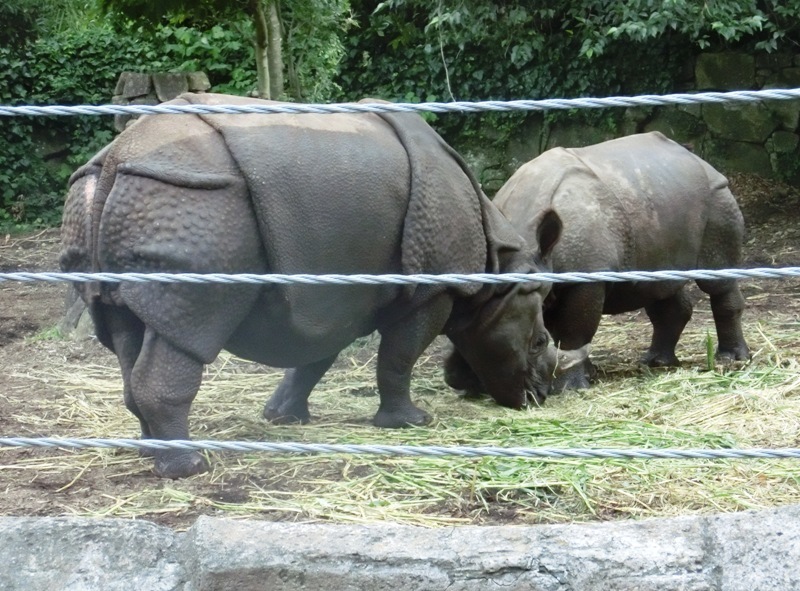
pixel 30 311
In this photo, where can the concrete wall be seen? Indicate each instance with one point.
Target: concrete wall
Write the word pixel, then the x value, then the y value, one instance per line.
pixel 734 552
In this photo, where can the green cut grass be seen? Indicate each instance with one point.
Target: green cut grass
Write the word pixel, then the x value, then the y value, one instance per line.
pixel 755 404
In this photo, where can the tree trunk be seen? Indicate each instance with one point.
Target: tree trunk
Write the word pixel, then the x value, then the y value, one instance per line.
pixel 261 49
pixel 275 50
pixel 291 70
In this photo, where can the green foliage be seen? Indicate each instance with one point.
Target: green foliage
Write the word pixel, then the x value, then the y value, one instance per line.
pixel 63 53
pixel 192 13
pixel 478 50
pixel 413 50
pixel 313 31
pixel 23 13
pixel 37 155
pixel 223 53
pixel 78 67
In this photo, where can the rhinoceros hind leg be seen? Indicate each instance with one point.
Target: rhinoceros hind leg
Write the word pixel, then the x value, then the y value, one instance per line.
pixel 727 305
pixel 669 317
pixel 123 333
pixel 163 382
pixel 289 403
pixel 401 345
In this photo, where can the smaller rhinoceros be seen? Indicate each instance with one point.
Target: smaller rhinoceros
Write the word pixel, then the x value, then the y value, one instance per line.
pixel 308 193
pixel 641 202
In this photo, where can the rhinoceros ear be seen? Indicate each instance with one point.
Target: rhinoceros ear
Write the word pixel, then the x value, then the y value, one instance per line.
pixel 548 232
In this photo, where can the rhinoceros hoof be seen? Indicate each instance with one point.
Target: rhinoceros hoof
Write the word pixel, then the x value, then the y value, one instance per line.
pixel 660 359
pixel 410 417
pixel 179 464
pixel 286 416
pixel 738 353
pixel 473 395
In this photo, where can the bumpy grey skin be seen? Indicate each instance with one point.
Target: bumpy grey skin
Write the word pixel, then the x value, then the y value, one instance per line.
pixel 292 194
pixel 641 202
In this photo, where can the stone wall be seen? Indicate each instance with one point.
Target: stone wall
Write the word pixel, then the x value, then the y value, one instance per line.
pixel 759 138
pixel 733 552
pixel 134 88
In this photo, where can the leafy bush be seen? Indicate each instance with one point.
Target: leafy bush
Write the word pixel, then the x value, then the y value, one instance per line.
pixel 81 66
pixel 416 51
pixel 74 68
pixel 413 50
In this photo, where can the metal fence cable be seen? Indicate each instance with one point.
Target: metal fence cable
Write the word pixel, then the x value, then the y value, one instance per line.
pixel 396 279
pixel 740 96
pixel 404 450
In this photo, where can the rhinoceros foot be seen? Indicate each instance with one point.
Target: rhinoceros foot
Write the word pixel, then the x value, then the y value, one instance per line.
pixel 660 359
pixel 409 416
pixel 287 413
pixel 738 353
pixel 473 395
pixel 179 464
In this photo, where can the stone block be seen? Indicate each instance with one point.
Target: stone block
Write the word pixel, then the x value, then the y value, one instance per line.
pixel 783 142
pixel 790 77
pixel 752 551
pixel 725 71
pixel 120 121
pixel 198 82
pixel 750 122
pixel 72 554
pixel 773 61
pixel 677 125
pixel 740 543
pixel 576 134
pixel 731 156
pixel 168 85
pixel 133 84
pixel 787 113
pixel 526 142
pixel 635 118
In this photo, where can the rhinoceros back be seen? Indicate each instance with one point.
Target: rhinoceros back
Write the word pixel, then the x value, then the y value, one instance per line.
pixel 353 181
pixel 638 202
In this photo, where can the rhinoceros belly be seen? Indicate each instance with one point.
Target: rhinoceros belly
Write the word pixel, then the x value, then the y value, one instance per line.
pixel 296 325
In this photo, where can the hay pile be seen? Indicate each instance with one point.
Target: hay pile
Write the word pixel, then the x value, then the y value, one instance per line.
pixel 754 404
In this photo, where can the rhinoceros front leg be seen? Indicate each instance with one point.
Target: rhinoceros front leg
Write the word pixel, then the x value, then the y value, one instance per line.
pixel 401 345
pixel 289 403
pixel 572 323
pixel 727 305
pixel 163 384
pixel 669 317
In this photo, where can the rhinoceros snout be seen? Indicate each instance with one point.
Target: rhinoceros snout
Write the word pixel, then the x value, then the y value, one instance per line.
pixel 534 398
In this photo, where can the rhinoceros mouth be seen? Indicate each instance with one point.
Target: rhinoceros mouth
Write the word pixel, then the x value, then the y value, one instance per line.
pixel 534 398
pixel 535 389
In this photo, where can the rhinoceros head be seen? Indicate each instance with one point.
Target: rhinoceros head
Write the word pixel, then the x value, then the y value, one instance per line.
pixel 502 347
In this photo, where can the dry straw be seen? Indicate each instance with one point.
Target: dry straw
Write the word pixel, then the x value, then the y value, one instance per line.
pixel 754 404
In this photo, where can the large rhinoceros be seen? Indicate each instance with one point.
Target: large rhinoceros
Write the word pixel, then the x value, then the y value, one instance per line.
pixel 640 202
pixel 345 193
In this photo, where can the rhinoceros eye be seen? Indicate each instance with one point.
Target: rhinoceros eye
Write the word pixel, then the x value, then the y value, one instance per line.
pixel 540 342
